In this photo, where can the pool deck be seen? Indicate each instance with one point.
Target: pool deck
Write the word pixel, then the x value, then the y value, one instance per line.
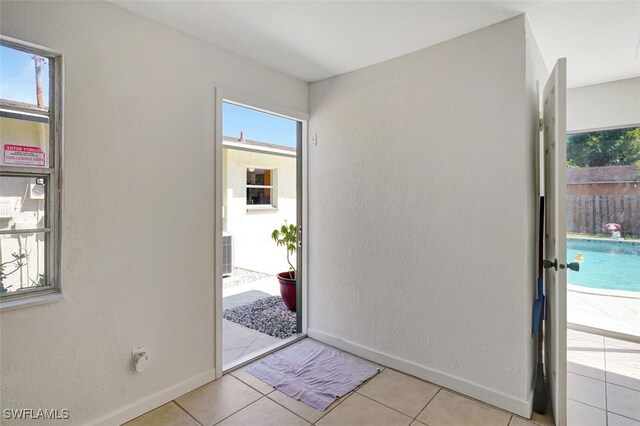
pixel 619 312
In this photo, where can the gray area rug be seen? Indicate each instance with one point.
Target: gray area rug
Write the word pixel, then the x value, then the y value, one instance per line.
pixel 313 373
pixel 267 315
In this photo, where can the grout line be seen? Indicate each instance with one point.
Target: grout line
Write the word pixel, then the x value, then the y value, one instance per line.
pixel 252 387
pixel 384 405
pixel 341 399
pixel 587 404
pixel 622 415
pixel 622 386
pixel 606 391
pixel 237 411
pixel 188 413
pixel 589 377
pixel 425 407
pixel 291 411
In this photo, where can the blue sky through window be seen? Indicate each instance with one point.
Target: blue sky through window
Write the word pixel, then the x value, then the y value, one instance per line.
pixel 258 126
pixel 18 76
pixel 18 83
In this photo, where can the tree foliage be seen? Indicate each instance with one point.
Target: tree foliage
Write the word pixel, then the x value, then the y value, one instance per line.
pixel 617 147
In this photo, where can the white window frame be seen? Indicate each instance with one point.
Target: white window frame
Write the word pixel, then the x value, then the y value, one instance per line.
pixel 274 195
pixel 53 173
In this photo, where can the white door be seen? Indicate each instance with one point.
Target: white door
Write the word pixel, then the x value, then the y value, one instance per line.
pixel 554 121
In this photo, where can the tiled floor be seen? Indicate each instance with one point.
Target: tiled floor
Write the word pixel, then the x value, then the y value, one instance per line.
pixel 389 398
pixel 603 382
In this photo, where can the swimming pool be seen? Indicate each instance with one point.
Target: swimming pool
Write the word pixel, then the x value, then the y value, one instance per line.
pixel 606 264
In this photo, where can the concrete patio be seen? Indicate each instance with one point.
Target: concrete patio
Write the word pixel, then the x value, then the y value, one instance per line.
pixel 604 309
pixel 239 341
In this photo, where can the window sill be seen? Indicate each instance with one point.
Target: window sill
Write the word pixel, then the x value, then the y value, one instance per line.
pixel 265 209
pixel 27 301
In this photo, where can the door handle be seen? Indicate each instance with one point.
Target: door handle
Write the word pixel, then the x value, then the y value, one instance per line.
pixel 574 266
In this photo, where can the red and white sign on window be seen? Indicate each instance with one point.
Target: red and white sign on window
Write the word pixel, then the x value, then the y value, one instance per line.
pixel 23 155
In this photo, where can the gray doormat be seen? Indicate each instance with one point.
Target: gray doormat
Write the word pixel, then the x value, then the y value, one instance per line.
pixel 268 315
pixel 312 373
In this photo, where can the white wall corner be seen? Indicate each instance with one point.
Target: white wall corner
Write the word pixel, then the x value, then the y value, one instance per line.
pixel 521 407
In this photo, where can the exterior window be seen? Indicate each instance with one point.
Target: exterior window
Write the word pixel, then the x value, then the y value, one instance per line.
pixel 30 171
pixel 260 187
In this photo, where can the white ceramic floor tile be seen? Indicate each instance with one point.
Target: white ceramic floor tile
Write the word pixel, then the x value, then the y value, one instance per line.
pixel 585 354
pixel 623 401
pixel 586 390
pixel 251 380
pixel 450 409
pixel 264 413
pixel 168 414
pixel 579 414
pixel 305 411
pixel 616 420
pixel 358 410
pixel 399 391
pixel 214 401
pixel 517 421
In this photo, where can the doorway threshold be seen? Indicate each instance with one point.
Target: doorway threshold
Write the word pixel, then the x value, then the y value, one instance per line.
pixel 249 358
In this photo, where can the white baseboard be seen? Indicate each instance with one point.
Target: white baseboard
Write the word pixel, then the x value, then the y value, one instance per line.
pixel 148 403
pixel 517 406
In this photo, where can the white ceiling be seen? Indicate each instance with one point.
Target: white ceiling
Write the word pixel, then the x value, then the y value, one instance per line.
pixel 313 40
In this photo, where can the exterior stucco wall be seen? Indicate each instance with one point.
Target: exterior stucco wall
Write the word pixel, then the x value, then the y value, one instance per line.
pixel 251 227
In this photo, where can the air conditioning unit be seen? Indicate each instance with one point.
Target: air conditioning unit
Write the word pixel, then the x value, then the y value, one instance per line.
pixel 227 254
pixel 36 192
pixel 8 206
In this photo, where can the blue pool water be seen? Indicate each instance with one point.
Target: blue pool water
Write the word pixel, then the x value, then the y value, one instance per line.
pixel 607 264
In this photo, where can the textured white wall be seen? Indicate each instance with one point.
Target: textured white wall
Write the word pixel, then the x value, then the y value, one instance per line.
pixel 421 212
pixel 612 104
pixel 251 229
pixel 536 78
pixel 138 225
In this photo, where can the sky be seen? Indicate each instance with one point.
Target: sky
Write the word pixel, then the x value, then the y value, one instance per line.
pixel 18 76
pixel 18 83
pixel 258 126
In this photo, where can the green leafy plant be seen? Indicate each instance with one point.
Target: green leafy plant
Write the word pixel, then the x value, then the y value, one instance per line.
pixel 41 281
pixel 287 237
pixel 16 263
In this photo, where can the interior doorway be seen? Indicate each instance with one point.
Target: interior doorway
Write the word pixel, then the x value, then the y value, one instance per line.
pixel 260 293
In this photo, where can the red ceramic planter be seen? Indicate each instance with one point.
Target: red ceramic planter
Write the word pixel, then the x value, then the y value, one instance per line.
pixel 287 282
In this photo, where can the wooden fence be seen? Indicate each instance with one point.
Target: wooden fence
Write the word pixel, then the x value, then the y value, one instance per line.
pixel 587 214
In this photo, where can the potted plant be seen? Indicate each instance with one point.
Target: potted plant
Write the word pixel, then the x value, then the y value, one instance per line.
pixel 287 237
pixel 16 263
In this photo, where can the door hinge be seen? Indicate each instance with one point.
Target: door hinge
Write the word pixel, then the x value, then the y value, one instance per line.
pixel 540 124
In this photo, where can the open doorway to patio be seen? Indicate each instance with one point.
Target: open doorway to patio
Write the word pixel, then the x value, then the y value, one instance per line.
pixel 261 231
pixel 603 298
